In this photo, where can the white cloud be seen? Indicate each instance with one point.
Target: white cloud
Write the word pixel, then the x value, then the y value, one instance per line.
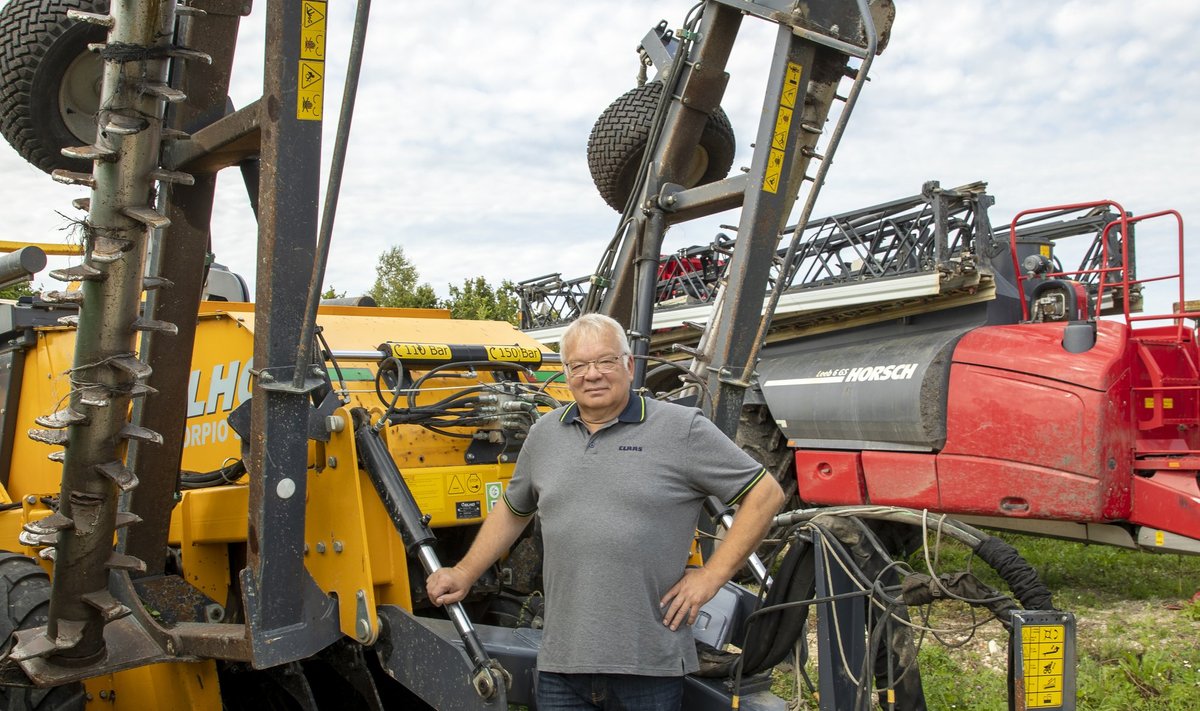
pixel 472 121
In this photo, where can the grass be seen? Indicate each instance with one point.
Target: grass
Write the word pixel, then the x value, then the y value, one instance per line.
pixel 1138 634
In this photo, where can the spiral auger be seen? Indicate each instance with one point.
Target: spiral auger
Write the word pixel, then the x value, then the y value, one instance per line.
pixel 94 424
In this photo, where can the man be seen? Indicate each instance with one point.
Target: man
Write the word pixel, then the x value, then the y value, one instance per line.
pixel 619 481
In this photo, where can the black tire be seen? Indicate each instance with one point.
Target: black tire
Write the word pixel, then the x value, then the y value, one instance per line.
pixel 25 592
pixel 619 137
pixel 49 81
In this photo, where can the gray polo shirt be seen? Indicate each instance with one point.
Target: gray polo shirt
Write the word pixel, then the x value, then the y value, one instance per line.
pixel 618 511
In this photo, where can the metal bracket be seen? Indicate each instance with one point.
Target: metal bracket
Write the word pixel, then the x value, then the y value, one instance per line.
pixel 127 645
pixel 279 379
pixel 316 629
pixel 423 660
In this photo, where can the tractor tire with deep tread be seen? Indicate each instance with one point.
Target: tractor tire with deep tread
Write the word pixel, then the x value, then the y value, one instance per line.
pixel 618 141
pixel 25 592
pixel 49 81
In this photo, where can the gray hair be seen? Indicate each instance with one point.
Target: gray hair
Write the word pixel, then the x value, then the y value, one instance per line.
pixel 597 325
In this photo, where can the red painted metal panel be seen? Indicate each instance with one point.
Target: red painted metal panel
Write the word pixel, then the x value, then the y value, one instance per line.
pixel 1034 431
pixel 901 479
pixel 830 477
pixel 1028 435
pixel 1037 348
pixel 996 487
pixel 1168 500
pixel 1005 415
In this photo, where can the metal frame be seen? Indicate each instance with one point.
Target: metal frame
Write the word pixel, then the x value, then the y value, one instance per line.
pixel 936 231
pixel 288 616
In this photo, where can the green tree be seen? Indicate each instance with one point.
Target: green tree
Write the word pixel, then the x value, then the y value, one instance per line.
pixel 396 283
pixel 16 291
pixel 477 299
pixel 332 293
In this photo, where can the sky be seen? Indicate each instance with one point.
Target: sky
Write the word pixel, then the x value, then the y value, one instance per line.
pixel 469 141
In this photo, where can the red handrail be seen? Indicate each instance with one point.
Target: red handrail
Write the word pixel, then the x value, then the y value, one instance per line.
pixel 1125 282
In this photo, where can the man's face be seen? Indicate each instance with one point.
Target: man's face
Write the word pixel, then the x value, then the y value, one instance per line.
pixel 600 395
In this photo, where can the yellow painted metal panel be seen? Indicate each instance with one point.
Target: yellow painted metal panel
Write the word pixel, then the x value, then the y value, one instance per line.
pixel 216 515
pixel 177 686
pixel 337 553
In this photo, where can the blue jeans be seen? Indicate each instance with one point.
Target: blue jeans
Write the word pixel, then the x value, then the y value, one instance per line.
pixel 608 692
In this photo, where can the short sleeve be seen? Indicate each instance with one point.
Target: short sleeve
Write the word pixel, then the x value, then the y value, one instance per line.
pixel 520 496
pixel 718 466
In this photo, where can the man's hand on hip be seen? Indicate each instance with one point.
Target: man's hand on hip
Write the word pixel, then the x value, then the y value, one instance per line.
pixel 685 598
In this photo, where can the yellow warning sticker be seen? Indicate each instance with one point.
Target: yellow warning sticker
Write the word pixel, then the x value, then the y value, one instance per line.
pixel 312 75
pixel 1045 250
pixel 514 354
pixel 1043 699
pixel 788 96
pixel 783 124
pixel 427 490
pixel 791 85
pixel 311 93
pixel 312 44
pixel 774 171
pixel 1044 649
pixel 455 486
pixel 421 351
pixel 312 14
pixel 310 89
pixel 1159 538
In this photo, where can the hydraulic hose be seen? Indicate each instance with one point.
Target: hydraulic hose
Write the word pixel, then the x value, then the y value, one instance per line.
pixel 1021 578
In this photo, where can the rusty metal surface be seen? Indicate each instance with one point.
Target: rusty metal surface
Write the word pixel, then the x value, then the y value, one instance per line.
pixel 116 236
pixel 211 641
pixel 224 143
pixel 429 663
pixel 180 259
pixel 171 600
pixel 290 617
pixel 127 646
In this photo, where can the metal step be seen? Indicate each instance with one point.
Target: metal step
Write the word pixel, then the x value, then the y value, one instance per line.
pixel 117 472
pixel 140 434
pixel 92 18
pixel 61 419
pixel 63 297
pixel 70 177
pixel 100 153
pixel 148 216
pixel 79 272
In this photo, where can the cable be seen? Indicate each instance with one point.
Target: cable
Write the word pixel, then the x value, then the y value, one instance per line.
pixel 933 573
pixel 860 553
pixel 685 374
pixel 228 473
pixel 327 354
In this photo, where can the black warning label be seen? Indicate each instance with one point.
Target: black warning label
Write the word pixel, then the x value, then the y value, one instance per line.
pixel 467 509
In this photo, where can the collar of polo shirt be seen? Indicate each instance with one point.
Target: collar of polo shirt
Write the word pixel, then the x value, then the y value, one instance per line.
pixel 634 412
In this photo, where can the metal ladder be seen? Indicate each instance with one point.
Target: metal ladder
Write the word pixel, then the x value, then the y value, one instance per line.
pixel 812 48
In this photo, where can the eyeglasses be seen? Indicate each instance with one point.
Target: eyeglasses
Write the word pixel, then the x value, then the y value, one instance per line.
pixel 605 365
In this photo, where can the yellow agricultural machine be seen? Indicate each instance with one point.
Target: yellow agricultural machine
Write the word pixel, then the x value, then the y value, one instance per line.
pixel 469 395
